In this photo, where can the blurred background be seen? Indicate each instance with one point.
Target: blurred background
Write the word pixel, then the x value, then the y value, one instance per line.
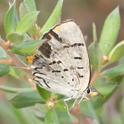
pixel 84 12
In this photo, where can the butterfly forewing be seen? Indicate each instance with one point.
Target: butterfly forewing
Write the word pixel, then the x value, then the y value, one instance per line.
pixel 61 63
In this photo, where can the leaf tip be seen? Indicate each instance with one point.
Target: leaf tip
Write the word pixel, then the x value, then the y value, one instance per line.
pixel 116 11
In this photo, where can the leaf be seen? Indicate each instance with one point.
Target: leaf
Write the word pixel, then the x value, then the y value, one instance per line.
pixel 4 69
pixel 117 52
pixel 114 72
pixel 44 93
pixel 121 61
pixel 34 32
pixel 54 17
pixel 26 6
pixel 14 90
pixel 51 117
pixel 19 115
pixel 13 115
pixel 94 51
pixel 15 37
pixel 94 33
pixel 3 54
pixel 26 99
pixel 62 113
pixel 94 55
pixel 10 19
pixel 104 88
pixel 26 22
pixel 88 109
pixel 26 48
pixel 110 31
pixel 102 99
pixel 16 73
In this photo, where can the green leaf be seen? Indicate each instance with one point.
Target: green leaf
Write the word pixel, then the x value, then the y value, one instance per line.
pixel 34 32
pixel 54 17
pixel 114 72
pixel 102 99
pixel 121 61
pixel 88 109
pixel 51 117
pixel 94 55
pixel 117 52
pixel 16 73
pixel 20 116
pixel 3 54
pixel 110 31
pixel 104 88
pixel 94 33
pixel 26 22
pixel 4 69
pixel 62 113
pixel 14 90
pixel 30 5
pixel 13 115
pixel 15 37
pixel 44 93
pixel 10 19
pixel 26 48
pixel 26 99
pixel 94 51
pixel 26 6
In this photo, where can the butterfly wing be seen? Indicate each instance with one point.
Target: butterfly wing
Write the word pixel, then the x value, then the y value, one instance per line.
pixel 61 64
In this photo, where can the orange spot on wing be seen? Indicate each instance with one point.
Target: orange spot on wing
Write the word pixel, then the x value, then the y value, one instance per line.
pixel 30 59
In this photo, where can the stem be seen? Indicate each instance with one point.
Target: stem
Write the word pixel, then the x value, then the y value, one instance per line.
pixel 6 61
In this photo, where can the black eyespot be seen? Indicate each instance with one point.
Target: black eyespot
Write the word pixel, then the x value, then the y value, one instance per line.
pixel 88 90
pixel 62 76
pixel 72 79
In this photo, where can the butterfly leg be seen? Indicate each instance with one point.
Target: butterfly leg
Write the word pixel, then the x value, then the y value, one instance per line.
pixel 67 99
pixel 82 97
pixel 65 102
pixel 75 102
pixel 67 108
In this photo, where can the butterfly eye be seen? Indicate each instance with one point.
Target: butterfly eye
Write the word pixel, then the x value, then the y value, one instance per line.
pixel 88 90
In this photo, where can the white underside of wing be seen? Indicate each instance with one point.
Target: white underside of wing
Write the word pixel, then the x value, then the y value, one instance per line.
pixel 70 74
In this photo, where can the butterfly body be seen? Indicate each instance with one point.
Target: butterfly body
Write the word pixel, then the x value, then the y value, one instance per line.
pixel 61 63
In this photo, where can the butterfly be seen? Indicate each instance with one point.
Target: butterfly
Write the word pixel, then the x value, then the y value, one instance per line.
pixel 61 63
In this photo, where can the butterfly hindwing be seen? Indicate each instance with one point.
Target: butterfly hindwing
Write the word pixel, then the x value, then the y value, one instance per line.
pixel 61 64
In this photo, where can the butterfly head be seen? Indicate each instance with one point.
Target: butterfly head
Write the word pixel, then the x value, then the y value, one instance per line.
pixel 91 92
